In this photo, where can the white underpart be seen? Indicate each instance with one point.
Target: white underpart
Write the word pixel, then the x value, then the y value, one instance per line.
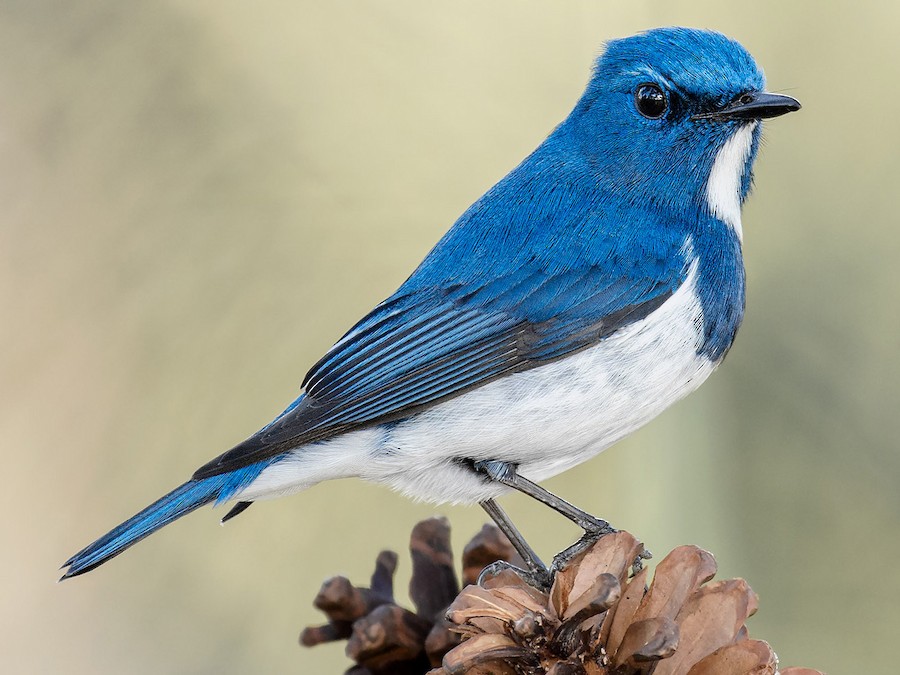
pixel 723 189
pixel 546 420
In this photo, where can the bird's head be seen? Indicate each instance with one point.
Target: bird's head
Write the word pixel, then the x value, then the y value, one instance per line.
pixel 673 116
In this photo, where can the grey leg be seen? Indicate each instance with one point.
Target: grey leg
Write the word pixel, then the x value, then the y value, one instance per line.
pixel 505 473
pixel 594 528
pixel 537 573
pixel 534 563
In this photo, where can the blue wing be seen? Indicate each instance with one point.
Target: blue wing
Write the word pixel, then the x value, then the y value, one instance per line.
pixel 428 344
pixel 538 268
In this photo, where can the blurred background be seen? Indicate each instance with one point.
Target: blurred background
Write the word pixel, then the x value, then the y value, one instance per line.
pixel 198 198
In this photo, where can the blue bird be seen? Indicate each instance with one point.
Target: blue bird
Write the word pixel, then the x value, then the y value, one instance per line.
pixel 595 285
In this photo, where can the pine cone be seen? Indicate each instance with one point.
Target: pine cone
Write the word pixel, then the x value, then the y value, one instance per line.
pixel 383 638
pixel 593 621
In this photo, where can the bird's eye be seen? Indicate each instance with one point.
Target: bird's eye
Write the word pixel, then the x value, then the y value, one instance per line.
pixel 650 101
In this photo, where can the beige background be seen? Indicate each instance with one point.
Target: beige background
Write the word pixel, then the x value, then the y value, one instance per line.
pixel 198 198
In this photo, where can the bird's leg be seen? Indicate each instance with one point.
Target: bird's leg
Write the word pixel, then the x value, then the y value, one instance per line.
pixel 537 573
pixel 594 528
pixel 504 472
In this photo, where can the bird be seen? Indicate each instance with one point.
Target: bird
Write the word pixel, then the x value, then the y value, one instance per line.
pixel 596 284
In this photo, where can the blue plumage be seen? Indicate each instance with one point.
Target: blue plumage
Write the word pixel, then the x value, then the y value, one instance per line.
pixel 179 502
pixel 598 282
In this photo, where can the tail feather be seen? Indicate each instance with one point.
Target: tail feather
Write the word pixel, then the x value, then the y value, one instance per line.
pixel 179 502
pixel 236 510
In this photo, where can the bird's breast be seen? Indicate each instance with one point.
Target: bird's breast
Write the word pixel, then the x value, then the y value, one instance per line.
pixel 555 416
pixel 545 420
pixel 719 287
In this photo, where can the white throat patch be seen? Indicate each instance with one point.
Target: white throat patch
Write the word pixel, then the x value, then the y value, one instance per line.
pixel 723 191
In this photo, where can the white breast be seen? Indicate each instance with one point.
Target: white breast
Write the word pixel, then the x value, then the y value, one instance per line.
pixel 545 420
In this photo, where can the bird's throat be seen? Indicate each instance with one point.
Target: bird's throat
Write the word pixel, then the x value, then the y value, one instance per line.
pixel 723 189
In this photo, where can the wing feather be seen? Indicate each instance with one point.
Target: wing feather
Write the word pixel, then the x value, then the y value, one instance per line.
pixel 426 345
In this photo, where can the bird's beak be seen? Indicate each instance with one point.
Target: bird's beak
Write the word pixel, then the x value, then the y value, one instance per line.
pixel 753 106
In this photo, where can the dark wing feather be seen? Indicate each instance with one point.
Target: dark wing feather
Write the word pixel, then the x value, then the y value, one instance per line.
pixel 427 345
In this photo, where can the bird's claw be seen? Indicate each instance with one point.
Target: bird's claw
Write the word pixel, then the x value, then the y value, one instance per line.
pixel 539 579
pixel 588 539
pixel 638 563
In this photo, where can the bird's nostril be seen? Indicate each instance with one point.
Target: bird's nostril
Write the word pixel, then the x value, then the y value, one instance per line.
pixel 746 99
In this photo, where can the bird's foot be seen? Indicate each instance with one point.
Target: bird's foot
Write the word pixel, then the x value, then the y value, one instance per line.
pixel 539 579
pixel 588 539
pixel 638 563
pixel 594 530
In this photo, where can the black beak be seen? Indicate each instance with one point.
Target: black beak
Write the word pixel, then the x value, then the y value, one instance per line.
pixel 753 106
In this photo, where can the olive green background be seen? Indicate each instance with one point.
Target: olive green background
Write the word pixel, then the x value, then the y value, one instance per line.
pixel 198 198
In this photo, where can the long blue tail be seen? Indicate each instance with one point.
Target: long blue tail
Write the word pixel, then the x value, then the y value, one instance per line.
pixel 179 502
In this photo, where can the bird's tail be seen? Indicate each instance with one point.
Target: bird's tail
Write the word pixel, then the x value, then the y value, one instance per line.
pixel 179 502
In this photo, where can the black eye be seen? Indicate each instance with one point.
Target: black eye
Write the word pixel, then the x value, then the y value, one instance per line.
pixel 650 101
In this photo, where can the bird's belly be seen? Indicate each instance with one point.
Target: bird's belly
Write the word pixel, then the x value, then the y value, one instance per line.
pixel 545 420
pixel 551 418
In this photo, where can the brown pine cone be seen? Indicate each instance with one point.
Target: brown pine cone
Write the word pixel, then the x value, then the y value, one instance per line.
pixel 383 638
pixel 595 620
